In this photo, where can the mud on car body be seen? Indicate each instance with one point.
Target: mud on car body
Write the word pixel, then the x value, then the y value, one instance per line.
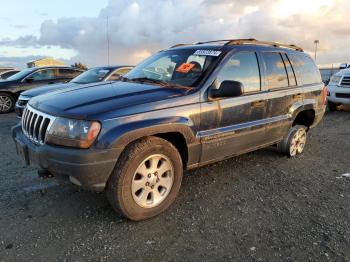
pixel 182 108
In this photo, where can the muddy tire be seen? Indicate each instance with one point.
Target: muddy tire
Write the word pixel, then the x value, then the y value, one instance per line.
pixel 146 179
pixel 294 142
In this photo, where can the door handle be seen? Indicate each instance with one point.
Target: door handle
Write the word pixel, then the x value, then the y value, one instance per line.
pixel 260 103
pixel 298 96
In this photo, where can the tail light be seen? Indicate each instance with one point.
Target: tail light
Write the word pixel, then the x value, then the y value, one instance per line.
pixel 324 95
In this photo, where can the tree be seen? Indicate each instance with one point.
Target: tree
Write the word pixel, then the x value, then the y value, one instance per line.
pixel 79 66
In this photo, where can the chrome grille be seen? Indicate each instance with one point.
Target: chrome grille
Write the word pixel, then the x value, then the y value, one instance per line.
pixel 35 124
pixel 345 81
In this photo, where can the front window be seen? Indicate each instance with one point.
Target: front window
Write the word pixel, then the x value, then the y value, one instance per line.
pixel 179 67
pixel 91 76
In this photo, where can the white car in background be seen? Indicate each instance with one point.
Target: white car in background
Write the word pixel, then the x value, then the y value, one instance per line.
pixel 339 89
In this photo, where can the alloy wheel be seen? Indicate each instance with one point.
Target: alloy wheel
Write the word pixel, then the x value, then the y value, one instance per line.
pixel 152 181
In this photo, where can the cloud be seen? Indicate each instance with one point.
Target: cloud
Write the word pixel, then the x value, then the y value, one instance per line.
pixel 141 27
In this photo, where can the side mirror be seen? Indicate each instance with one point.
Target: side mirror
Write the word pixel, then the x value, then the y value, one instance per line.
pixel 29 79
pixel 343 66
pixel 227 89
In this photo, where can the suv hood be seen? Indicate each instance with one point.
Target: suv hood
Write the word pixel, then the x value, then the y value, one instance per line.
pixel 45 89
pixel 116 98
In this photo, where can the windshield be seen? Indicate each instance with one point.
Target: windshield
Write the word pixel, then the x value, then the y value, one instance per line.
pixel 21 74
pixel 181 67
pixel 91 76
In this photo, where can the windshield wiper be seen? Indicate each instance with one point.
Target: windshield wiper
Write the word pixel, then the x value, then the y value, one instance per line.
pixel 150 80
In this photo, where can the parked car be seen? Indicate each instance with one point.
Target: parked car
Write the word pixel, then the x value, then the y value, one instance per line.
pixel 182 108
pixel 339 89
pixel 29 78
pixel 96 74
pixel 6 74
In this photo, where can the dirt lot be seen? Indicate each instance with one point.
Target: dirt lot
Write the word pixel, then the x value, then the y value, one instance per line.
pixel 259 206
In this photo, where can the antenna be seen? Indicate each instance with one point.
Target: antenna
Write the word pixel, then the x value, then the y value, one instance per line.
pixel 107 38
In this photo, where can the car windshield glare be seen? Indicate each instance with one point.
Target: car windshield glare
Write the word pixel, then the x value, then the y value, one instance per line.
pixel 20 74
pixel 91 76
pixel 179 67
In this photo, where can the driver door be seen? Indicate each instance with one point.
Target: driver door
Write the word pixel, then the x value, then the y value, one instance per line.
pixel 231 126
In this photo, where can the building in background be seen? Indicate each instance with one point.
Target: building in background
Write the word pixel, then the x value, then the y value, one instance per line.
pixel 48 61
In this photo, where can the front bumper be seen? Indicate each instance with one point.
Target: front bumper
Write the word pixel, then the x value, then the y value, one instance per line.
pixel 90 168
pixel 336 91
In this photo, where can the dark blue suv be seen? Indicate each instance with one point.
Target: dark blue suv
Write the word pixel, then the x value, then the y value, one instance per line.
pixel 182 108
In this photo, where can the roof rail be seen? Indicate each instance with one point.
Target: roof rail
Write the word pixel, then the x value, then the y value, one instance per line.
pixel 225 40
pixel 177 45
pixel 257 42
pixel 246 41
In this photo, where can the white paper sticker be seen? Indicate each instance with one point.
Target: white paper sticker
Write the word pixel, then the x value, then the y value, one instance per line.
pixel 208 52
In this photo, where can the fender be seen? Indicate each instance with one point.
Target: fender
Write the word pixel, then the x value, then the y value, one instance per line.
pixel 121 135
pixel 298 107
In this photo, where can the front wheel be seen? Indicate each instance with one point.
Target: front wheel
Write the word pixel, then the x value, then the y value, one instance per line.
pixel 294 142
pixel 7 103
pixel 146 179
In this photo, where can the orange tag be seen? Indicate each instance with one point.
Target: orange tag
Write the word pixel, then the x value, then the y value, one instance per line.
pixel 185 68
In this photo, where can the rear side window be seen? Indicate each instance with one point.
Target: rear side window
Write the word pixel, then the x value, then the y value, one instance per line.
pixel 242 67
pixel 307 71
pixel 290 71
pixel 275 70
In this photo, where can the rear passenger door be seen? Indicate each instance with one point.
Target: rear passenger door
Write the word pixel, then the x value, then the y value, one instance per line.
pixel 231 126
pixel 283 93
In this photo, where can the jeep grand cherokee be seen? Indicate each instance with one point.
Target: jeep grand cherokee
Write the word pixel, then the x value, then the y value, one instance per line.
pixel 182 108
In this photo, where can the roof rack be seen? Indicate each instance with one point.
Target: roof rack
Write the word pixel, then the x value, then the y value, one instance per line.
pixel 246 41
pixel 257 42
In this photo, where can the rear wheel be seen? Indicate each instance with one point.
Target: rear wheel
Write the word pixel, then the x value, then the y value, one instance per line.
pixel 294 143
pixel 146 179
pixel 7 103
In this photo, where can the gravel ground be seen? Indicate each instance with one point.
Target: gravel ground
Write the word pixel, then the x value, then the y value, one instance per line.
pixel 257 207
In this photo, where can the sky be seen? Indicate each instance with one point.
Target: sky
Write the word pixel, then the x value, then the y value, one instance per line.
pixel 76 30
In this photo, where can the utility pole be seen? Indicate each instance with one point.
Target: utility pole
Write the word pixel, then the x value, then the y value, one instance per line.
pixel 316 42
pixel 107 38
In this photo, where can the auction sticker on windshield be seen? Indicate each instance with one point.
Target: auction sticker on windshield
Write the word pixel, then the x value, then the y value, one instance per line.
pixel 208 52
pixel 185 68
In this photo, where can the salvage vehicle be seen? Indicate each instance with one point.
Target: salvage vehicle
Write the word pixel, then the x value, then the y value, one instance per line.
pixel 96 74
pixel 29 78
pixel 182 108
pixel 339 89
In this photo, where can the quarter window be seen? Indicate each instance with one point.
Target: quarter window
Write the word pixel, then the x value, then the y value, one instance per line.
pixel 242 67
pixel 308 72
pixel 275 70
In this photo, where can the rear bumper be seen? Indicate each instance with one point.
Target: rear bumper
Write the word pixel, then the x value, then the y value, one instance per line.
pixel 89 168
pixel 318 116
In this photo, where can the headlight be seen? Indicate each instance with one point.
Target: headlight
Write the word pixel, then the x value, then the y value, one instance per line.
pixel 335 80
pixel 22 97
pixel 73 133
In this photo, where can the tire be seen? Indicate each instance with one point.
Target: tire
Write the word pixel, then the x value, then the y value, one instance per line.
pixel 332 106
pixel 294 142
pixel 134 170
pixel 7 103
